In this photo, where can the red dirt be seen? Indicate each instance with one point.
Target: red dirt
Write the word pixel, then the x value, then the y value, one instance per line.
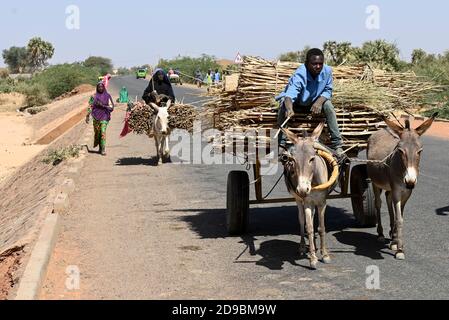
pixel 9 263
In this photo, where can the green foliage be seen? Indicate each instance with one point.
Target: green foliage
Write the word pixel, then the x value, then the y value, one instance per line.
pixel 339 53
pixel 57 156
pixel 435 68
pixel 295 56
pixel 4 73
pixel 103 65
pixel 35 95
pixel 443 112
pixel 379 54
pixel 16 58
pixel 189 65
pixel 7 85
pixel 39 52
pixel 63 78
pixel 124 72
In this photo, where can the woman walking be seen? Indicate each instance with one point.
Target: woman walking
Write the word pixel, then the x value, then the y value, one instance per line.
pixel 101 113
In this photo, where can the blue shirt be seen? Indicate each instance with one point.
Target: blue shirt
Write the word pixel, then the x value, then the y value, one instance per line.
pixel 303 87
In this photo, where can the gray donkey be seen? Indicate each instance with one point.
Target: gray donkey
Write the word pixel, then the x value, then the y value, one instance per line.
pixel 304 169
pixel 396 152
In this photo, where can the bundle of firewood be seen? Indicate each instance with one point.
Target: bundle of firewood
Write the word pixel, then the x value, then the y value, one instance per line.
pixel 141 117
pixel 361 96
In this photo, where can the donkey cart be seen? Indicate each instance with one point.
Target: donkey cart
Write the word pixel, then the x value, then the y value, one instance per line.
pixel 352 180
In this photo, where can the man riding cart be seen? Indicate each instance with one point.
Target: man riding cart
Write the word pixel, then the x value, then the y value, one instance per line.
pixel 310 90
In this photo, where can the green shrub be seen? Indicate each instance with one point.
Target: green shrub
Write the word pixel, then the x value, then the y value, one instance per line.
pixel 188 65
pixel 4 73
pixel 443 112
pixel 64 78
pixel 55 157
pixel 35 95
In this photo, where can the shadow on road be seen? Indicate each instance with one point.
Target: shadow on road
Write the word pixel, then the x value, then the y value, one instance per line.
pixel 443 211
pixel 137 162
pixel 273 221
pixel 365 244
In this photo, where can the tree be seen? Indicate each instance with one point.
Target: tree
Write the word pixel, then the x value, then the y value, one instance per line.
pixel 39 52
pixel 295 56
pixel 188 65
pixel 338 53
pixel 16 58
pixel 103 65
pixel 380 54
pixel 418 55
pixel 292 56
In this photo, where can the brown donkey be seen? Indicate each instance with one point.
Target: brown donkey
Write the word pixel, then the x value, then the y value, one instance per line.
pixel 304 169
pixel 396 153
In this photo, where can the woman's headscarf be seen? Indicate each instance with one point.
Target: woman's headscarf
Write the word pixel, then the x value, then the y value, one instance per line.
pixel 103 98
pixel 155 79
pixel 156 73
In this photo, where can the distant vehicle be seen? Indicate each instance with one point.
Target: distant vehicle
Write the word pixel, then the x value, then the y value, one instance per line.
pixel 141 74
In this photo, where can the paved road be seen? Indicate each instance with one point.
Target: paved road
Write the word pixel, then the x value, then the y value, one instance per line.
pixel 137 231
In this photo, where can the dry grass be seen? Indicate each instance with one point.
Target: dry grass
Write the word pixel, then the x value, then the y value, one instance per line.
pixel 10 102
pixel 57 156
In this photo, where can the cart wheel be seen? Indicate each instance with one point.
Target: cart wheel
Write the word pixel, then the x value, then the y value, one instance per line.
pixel 237 202
pixel 363 201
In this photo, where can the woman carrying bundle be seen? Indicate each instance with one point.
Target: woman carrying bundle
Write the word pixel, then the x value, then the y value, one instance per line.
pixel 101 113
pixel 160 86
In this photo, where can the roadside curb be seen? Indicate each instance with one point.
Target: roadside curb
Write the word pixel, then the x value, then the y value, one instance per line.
pixel 36 268
pixel 35 272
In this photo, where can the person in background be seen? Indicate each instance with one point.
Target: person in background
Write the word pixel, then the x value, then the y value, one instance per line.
pixel 208 79
pixel 212 75
pixel 101 111
pixel 106 80
pixel 198 78
pixel 217 77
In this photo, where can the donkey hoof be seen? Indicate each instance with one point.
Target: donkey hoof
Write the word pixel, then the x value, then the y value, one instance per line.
pixel 313 264
pixel 400 256
pixel 381 239
pixel 394 247
pixel 302 249
pixel 326 260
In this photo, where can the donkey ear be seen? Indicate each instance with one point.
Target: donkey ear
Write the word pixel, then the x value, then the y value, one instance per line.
pixel 168 104
pixel 290 135
pixel 394 126
pixel 154 106
pixel 317 132
pixel 426 125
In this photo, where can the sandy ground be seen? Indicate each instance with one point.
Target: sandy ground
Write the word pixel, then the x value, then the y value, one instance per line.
pixel 18 132
pixel 10 102
pixel 15 151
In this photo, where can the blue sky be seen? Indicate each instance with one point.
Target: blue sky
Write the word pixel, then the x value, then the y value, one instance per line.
pixel 138 32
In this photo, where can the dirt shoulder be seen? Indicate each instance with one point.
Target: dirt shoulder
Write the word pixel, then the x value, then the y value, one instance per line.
pixel 27 185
